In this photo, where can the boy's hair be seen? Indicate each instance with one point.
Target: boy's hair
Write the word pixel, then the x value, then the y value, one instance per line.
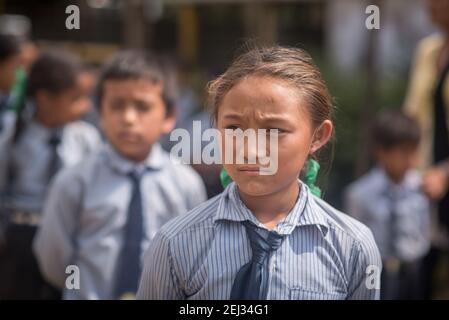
pixel 393 128
pixel 54 71
pixel 293 65
pixel 9 46
pixel 135 64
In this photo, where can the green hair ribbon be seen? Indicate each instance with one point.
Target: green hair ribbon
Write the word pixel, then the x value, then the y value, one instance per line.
pixel 312 168
pixel 225 178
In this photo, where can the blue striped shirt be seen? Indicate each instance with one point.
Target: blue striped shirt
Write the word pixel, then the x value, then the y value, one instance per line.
pixel 325 254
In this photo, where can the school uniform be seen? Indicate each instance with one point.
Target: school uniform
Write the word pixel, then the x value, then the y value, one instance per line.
pixel 101 215
pixel 316 252
pixel 398 215
pixel 28 166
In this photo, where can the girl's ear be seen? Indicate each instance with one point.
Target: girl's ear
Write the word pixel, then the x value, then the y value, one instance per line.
pixel 321 135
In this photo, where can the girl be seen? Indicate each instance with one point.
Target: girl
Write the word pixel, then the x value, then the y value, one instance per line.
pixel 266 236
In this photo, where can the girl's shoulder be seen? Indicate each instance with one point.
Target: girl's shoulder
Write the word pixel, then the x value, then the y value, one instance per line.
pixel 343 225
pixel 199 219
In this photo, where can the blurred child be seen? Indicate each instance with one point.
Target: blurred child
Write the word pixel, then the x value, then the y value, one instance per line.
pixel 266 236
pixel 102 214
pixel 47 137
pixel 390 201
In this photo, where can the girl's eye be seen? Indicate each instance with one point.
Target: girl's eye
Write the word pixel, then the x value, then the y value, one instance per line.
pixel 232 127
pixel 279 130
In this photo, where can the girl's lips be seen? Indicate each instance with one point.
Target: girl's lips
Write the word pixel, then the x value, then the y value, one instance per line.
pixel 251 171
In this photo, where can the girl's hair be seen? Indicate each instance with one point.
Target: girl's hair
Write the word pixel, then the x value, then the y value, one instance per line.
pixel 293 65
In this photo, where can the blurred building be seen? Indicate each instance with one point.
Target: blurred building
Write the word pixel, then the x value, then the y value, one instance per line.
pixel 205 32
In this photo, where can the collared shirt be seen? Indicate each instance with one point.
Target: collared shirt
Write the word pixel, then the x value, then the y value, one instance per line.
pixel 28 160
pixel 374 198
pixel 325 254
pixel 86 213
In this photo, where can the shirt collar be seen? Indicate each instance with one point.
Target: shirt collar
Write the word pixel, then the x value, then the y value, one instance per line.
pixel 118 162
pixel 232 208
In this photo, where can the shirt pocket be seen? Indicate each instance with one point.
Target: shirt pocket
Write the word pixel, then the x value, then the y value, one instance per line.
pixel 304 294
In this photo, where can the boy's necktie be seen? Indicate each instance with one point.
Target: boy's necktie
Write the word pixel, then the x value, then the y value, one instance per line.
pixel 55 162
pixel 251 281
pixel 129 264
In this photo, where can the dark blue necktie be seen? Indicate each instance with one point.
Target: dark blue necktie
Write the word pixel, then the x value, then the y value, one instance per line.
pixel 251 281
pixel 55 162
pixel 129 264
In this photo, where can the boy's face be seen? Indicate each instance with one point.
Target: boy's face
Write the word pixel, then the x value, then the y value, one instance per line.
pixel 134 116
pixel 8 72
pixel 397 160
pixel 262 102
pixel 64 107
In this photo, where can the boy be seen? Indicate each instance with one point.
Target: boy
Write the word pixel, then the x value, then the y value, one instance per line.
pixel 47 137
pixel 101 215
pixel 390 201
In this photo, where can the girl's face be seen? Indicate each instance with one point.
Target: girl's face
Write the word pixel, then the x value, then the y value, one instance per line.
pixel 263 102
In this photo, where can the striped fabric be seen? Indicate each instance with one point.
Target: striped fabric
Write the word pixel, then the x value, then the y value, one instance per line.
pixel 325 254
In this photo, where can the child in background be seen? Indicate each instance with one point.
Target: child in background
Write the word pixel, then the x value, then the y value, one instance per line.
pixel 102 214
pixel 389 200
pixel 47 137
pixel 266 236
